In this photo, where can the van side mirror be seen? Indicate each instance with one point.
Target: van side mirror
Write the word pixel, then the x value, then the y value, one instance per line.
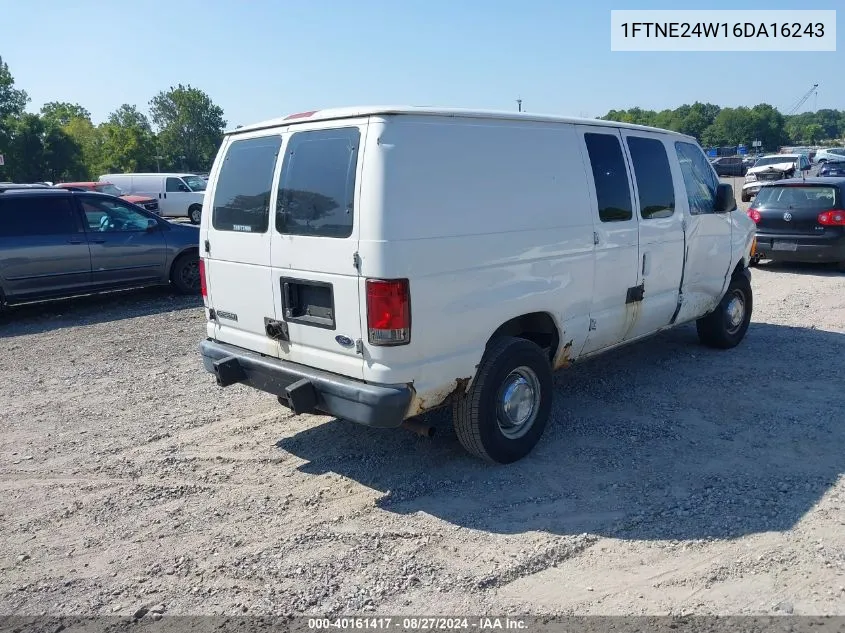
pixel 152 225
pixel 725 199
pixel 184 188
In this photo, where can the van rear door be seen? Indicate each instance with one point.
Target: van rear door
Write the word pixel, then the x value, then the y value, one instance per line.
pixel 235 242
pixel 314 252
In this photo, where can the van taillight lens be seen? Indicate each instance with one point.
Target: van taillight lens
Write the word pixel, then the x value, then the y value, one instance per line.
pixel 388 311
pixel 834 217
pixel 754 214
pixel 203 285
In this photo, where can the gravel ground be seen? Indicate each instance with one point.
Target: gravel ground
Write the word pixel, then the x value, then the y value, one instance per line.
pixel 673 478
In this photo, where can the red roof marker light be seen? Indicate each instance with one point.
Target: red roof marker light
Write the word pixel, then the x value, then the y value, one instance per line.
pixel 301 115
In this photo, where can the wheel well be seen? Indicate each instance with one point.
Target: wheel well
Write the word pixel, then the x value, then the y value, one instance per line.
pixel 537 327
pixel 192 250
pixel 741 268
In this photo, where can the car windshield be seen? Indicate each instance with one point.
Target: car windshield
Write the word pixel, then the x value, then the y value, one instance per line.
pixel 110 189
pixel 195 183
pixel 811 198
pixel 774 160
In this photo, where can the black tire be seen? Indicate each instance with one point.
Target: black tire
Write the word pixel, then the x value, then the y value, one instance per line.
pixel 722 329
pixel 185 274
pixel 477 414
pixel 745 198
pixel 195 214
pixel 753 261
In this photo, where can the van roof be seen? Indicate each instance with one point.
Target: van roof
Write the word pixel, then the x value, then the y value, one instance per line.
pixel 152 173
pixel 362 111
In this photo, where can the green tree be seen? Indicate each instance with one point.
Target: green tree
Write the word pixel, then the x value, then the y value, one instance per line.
pixel 61 113
pixel 25 160
pixel 731 126
pixel 190 127
pixel 89 139
pixel 697 118
pixel 62 156
pixel 767 126
pixel 128 143
pixel 813 133
pixel 12 100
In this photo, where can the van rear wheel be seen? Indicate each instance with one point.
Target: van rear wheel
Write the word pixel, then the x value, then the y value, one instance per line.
pixel 504 414
pixel 195 214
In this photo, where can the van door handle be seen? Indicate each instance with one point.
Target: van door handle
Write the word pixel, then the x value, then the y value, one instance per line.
pixel 74 241
pixel 98 240
pixel 646 264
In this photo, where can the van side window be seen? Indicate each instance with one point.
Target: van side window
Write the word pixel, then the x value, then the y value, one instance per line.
pixel 317 186
pixel 242 196
pixel 31 216
pixel 174 185
pixel 612 185
pixel 699 178
pixel 654 177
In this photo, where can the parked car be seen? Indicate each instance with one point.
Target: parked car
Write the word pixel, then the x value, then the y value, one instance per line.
pixel 773 167
pixel 150 204
pixel 729 166
pixel 179 195
pixel 831 155
pixel 832 168
pixel 748 162
pixel 59 243
pixel 405 266
pixel 801 221
pixel 23 185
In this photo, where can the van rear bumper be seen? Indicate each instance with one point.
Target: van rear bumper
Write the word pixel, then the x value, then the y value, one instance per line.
pixel 305 389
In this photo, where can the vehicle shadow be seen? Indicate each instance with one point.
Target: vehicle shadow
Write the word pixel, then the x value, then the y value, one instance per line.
pixel 799 268
pixel 45 316
pixel 662 440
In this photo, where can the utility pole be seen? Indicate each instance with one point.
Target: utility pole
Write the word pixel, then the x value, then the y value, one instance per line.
pixel 519 104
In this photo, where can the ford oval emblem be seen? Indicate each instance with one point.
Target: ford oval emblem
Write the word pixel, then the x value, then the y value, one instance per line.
pixel 787 216
pixel 344 340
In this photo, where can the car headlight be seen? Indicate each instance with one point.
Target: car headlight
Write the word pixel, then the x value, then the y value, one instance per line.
pixel 750 178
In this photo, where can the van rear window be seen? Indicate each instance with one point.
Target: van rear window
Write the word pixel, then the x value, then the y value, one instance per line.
pixel 242 195
pixel 317 185
pixel 810 198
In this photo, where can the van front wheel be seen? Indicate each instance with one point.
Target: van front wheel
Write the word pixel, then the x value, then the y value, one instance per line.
pixel 726 326
pixel 195 214
pixel 504 414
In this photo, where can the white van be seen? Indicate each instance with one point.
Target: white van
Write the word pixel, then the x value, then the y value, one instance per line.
pixel 179 195
pixel 420 257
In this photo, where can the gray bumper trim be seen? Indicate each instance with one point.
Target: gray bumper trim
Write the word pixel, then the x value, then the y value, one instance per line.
pixel 381 406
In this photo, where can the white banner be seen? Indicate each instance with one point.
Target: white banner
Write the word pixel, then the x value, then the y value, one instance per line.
pixel 723 30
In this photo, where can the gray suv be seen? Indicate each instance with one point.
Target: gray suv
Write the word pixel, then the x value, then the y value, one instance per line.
pixel 60 243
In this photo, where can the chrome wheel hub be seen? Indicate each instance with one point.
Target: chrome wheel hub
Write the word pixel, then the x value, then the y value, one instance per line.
pixel 735 312
pixel 518 402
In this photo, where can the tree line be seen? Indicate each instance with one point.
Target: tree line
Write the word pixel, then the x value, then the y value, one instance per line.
pixel 185 127
pixel 61 143
pixel 714 126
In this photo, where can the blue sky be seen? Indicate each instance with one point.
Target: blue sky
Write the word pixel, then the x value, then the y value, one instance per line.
pixel 260 59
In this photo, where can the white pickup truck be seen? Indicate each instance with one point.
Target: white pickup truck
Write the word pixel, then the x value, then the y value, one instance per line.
pixel 376 263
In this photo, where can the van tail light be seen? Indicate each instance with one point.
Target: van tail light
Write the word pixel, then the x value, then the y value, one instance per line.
pixel 203 285
pixel 388 311
pixel 754 214
pixel 834 217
